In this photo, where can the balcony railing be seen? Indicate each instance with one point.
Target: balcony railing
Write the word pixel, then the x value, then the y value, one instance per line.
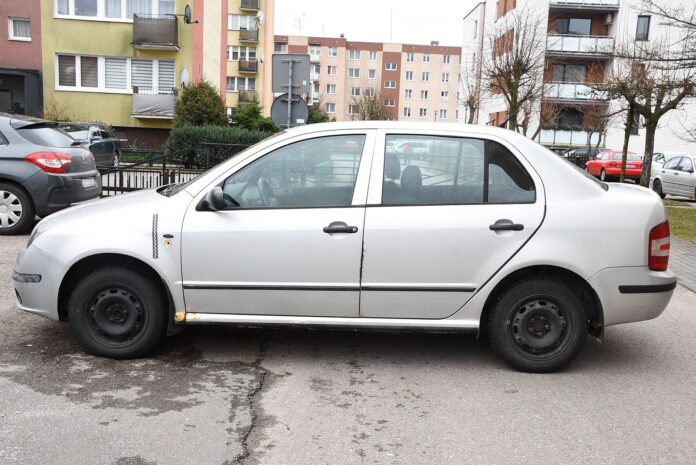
pixel 590 4
pixel 155 32
pixel 314 57
pixel 249 5
pixel 151 103
pixel 568 138
pixel 313 76
pixel 570 45
pixel 248 66
pixel 246 96
pixel 571 91
pixel 249 35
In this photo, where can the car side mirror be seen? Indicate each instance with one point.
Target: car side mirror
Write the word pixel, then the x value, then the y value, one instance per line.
pixel 213 200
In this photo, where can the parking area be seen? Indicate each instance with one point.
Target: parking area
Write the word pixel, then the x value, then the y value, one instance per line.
pixel 221 395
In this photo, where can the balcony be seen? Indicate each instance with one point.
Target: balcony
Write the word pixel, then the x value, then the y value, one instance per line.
pixel 155 32
pixel 571 46
pixel 248 66
pixel 246 96
pixel 568 138
pixel 248 35
pixel 314 57
pixel 150 103
pixel 249 5
pixel 585 5
pixel 571 91
pixel 313 76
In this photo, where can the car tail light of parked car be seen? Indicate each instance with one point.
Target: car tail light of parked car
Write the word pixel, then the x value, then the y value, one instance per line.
pixel 50 162
pixel 658 253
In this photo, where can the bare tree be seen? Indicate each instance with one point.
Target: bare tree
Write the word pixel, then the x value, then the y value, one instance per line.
pixel 370 105
pixel 513 65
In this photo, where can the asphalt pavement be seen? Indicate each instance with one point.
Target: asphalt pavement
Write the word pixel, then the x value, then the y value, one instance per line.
pixel 221 395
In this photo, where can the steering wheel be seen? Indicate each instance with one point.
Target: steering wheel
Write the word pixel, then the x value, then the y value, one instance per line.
pixel 266 193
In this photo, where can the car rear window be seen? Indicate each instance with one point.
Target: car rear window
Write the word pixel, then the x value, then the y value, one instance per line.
pixel 46 135
pixel 75 131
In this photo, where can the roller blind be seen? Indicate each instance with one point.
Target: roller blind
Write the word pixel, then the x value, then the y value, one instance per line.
pixel 115 73
pixel 166 76
pixel 141 73
pixel 89 72
pixel 66 70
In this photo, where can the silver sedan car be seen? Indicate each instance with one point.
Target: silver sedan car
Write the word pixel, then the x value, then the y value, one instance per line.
pixel 326 226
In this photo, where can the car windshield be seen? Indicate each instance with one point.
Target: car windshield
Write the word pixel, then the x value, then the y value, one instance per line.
pixel 76 132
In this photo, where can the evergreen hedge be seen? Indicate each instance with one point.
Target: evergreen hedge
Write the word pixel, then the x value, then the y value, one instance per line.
pixel 186 144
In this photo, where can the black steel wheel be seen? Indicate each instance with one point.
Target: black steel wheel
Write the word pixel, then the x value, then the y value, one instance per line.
pixel 538 325
pixel 117 312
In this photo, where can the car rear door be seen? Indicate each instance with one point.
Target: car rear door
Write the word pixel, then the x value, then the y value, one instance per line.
pixel 438 226
pixel 687 178
pixel 670 176
pixel 98 146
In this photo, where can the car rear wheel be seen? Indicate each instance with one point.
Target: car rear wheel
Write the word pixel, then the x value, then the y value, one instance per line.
pixel 538 325
pixel 117 312
pixel 657 187
pixel 16 209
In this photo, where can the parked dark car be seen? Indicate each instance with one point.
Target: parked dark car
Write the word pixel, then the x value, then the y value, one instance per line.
pixel 581 155
pixel 42 170
pixel 99 138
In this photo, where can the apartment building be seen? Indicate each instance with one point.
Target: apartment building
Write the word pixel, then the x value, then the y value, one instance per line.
pixel 580 36
pixel 20 57
pixel 418 82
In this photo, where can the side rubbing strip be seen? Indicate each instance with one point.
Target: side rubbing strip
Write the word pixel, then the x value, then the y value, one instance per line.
pixel 647 289
pixel 155 250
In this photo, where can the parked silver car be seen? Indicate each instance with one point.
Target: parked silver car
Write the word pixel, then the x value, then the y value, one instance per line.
pixel 321 226
pixel 676 177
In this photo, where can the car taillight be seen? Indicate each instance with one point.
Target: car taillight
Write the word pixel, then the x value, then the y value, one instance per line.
pixel 50 162
pixel 658 247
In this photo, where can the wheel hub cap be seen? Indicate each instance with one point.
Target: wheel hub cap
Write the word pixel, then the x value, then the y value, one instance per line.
pixel 10 209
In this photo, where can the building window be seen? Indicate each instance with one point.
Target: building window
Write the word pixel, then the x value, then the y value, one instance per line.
pixel 407 112
pixel 409 57
pixel 574 26
pixel 425 76
pixel 444 95
pixel 369 92
pixel 333 51
pixel 238 22
pixel 426 58
pixel 353 54
pixel 409 75
pixel 408 94
pixel 353 72
pixel 315 71
pixel 355 91
pixel 390 66
pixel 424 95
pixel 443 114
pixel 352 109
pixel 445 77
pixel 280 47
pixel 423 113
pixel 241 53
pixel 643 28
pixel 120 9
pixel 110 74
pixel 236 83
pixel 390 84
pixel 446 59
pixel 391 102
pixel 331 108
pixel 331 70
pixel 569 73
pixel 372 74
pixel 373 55
pixel 19 29
pixel 330 88
pixel 315 50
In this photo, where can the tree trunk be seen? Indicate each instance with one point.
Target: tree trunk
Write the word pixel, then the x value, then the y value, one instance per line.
pixel 472 114
pixel 650 128
pixel 627 136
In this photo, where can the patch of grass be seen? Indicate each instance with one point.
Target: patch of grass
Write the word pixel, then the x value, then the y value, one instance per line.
pixel 682 223
pixel 676 203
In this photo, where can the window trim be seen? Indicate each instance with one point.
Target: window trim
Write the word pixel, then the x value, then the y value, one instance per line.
pixel 10 29
pixel 101 12
pixel 647 29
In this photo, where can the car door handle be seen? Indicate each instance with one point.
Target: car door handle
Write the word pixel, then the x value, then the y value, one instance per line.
pixel 337 227
pixel 506 225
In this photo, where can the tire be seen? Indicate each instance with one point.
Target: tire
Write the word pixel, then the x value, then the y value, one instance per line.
pixel 116 160
pixel 657 187
pixel 118 313
pixel 603 175
pixel 16 209
pixel 538 325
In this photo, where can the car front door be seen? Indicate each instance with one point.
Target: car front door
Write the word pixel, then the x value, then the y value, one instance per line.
pixel 437 227
pixel 289 241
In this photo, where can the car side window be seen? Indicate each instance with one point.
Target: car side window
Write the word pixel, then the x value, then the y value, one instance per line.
pixel 3 141
pixel 508 181
pixel 319 172
pixel 672 163
pixel 686 164
pixel 617 156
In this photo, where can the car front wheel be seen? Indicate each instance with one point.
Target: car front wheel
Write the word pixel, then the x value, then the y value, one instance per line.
pixel 118 313
pixel 657 187
pixel 538 325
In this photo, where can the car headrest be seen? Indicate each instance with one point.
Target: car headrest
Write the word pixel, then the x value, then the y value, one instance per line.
pixel 392 166
pixel 411 180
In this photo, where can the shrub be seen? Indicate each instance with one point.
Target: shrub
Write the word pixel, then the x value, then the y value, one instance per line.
pixel 248 116
pixel 200 104
pixel 186 144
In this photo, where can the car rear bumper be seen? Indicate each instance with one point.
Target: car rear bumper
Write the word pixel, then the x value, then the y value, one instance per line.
pixel 40 298
pixel 630 172
pixel 632 294
pixel 67 189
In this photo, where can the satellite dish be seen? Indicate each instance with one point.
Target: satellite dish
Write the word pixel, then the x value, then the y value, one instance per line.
pixel 187 14
pixel 184 77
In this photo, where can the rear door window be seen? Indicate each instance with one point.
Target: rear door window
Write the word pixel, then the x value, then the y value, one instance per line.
pixel 46 135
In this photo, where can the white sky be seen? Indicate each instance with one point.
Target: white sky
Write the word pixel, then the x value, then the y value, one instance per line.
pixel 413 21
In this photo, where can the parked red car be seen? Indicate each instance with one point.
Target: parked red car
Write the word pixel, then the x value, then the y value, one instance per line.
pixel 607 165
